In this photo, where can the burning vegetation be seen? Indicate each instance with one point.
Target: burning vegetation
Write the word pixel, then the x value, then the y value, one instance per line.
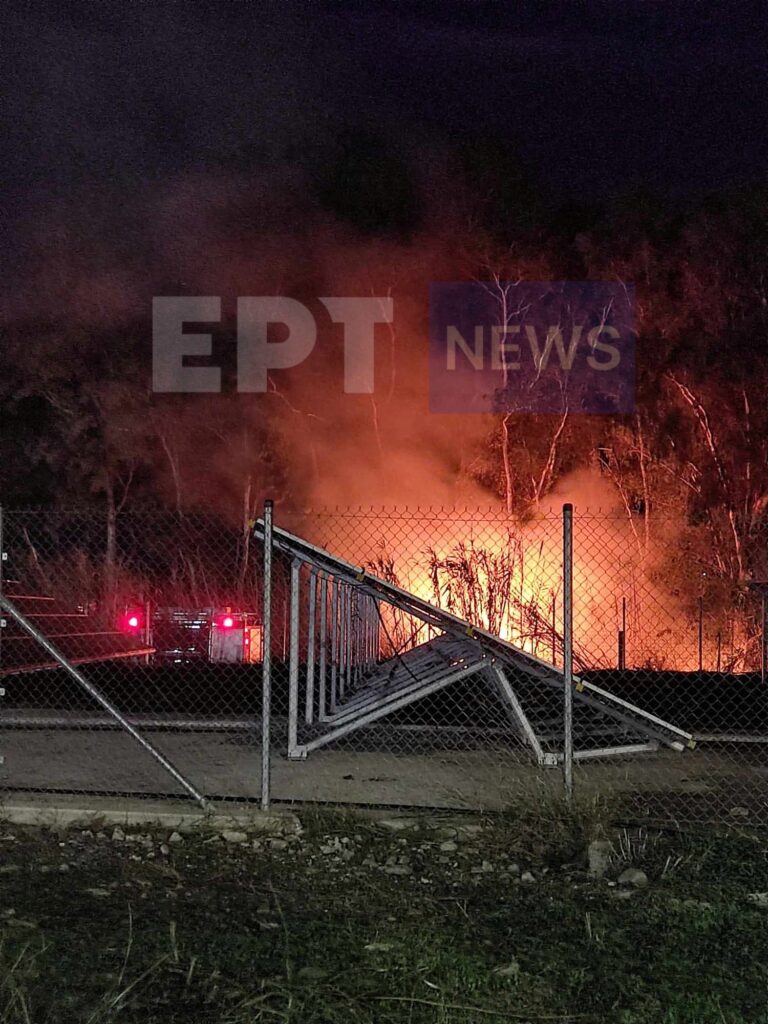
pixel 674 497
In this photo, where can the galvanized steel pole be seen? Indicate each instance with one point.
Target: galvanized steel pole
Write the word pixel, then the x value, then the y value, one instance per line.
pixel 2 574
pixel 266 661
pixel 568 650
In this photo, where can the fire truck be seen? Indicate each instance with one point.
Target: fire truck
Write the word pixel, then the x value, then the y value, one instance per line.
pixel 217 635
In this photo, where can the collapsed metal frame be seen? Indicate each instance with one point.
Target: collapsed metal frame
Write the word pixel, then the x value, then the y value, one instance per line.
pixel 350 687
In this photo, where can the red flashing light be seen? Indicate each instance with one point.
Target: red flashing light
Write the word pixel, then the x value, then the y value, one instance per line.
pixel 227 622
pixel 132 621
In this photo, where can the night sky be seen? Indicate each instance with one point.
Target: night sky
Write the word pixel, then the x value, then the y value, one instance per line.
pixel 597 98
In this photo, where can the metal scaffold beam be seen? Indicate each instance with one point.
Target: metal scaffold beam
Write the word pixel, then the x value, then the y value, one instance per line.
pixel 336 635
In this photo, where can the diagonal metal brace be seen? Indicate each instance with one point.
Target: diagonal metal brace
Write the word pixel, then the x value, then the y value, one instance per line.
pixel 99 697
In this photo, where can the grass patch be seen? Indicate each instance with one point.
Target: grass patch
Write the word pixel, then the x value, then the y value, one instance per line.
pixel 351 922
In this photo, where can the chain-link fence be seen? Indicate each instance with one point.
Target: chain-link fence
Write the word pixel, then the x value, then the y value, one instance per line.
pixel 665 622
pixel 416 658
pixel 130 655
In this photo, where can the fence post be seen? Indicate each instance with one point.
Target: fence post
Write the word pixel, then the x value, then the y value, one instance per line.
pixel 266 659
pixel 568 650
pixel 3 556
pixel 293 658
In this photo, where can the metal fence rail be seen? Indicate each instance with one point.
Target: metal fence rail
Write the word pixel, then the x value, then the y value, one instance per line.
pixel 431 658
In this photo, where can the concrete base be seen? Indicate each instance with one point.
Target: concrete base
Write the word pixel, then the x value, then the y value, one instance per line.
pixel 63 810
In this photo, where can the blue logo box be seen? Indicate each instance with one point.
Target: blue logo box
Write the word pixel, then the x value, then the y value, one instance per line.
pixel 532 346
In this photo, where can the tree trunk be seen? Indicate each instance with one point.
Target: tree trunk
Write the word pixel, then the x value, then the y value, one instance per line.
pixel 110 554
pixel 509 498
pixel 245 559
